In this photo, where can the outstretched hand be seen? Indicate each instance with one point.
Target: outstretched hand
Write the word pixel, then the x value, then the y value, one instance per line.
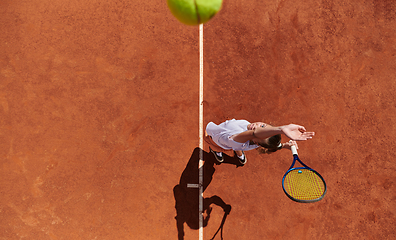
pixel 297 132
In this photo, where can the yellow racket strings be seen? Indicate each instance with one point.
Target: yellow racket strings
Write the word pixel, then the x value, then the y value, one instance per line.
pixel 304 184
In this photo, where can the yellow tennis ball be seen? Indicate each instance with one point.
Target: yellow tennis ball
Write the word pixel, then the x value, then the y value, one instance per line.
pixel 194 12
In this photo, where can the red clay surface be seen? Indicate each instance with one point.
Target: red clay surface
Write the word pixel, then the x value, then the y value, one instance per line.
pixel 99 118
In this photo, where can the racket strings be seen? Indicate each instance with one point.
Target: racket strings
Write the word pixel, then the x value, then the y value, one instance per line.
pixel 304 184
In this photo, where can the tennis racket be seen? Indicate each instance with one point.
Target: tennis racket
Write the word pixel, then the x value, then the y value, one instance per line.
pixel 303 184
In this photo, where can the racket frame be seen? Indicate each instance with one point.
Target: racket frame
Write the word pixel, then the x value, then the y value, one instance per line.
pixel 296 158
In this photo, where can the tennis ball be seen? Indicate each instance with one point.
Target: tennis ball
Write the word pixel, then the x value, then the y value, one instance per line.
pixel 194 12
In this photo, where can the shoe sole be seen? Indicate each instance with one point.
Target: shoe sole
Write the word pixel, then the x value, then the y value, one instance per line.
pixel 217 157
pixel 243 162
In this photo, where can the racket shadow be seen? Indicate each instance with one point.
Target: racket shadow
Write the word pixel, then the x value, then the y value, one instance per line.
pixel 186 194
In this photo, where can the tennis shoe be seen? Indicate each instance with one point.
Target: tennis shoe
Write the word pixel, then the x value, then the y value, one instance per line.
pixel 220 159
pixel 242 159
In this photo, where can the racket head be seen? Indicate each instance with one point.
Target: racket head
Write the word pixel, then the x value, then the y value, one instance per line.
pixel 303 184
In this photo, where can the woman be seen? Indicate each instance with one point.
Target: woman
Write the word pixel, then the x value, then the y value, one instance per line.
pixel 241 135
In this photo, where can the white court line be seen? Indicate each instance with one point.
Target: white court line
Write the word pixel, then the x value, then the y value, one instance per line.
pixel 201 133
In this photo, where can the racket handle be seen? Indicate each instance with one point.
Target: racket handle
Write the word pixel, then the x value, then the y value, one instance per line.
pixel 294 150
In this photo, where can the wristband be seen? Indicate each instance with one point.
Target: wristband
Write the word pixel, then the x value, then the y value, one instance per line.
pixel 280 146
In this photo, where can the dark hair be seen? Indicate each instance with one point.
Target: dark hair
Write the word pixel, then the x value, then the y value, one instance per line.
pixel 270 145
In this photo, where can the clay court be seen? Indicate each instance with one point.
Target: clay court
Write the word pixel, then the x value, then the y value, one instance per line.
pixel 100 121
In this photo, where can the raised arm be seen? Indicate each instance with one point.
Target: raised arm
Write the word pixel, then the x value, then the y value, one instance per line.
pixel 261 133
pixel 292 131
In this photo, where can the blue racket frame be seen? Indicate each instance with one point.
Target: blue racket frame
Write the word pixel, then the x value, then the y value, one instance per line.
pixel 296 158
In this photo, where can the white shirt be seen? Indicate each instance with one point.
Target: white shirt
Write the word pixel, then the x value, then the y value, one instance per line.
pixel 222 134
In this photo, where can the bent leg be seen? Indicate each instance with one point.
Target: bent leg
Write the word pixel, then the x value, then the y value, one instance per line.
pixel 239 153
pixel 213 145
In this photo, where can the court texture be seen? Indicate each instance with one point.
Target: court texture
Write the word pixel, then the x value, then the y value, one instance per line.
pixel 103 104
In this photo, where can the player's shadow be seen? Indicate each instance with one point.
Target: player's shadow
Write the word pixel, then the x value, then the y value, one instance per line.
pixel 186 193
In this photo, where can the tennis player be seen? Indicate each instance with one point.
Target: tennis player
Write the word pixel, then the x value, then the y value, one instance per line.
pixel 241 135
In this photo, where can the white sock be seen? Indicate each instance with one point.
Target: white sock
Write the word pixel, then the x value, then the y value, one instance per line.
pixel 219 154
pixel 242 156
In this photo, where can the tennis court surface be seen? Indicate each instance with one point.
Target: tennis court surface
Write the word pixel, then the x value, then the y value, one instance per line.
pixel 100 120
